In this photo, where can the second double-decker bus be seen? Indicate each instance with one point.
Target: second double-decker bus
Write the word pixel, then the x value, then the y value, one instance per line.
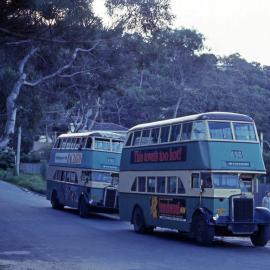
pixel 83 171
pixel 196 174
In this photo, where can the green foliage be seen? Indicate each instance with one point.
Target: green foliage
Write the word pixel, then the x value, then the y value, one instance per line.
pixel 135 79
pixel 37 156
pixel 7 159
pixel 28 181
pixel 142 16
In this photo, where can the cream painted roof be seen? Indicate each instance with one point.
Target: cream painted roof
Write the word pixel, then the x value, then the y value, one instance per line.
pixel 202 116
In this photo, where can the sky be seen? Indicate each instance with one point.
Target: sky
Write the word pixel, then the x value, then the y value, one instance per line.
pixel 229 26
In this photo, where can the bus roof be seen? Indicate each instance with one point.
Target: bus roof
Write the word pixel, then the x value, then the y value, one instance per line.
pixel 95 133
pixel 202 116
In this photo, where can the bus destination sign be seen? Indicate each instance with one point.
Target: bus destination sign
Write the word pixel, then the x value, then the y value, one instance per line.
pixel 169 154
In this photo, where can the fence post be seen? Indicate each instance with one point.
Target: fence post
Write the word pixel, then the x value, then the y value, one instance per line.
pixel 18 155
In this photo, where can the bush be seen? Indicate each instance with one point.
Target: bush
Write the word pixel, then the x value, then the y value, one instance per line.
pixel 37 156
pixel 7 159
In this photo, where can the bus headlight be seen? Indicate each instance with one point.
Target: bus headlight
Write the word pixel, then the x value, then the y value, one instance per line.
pixel 215 217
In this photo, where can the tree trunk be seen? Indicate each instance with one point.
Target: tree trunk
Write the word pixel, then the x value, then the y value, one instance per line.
pixel 96 115
pixel 11 112
pixel 177 106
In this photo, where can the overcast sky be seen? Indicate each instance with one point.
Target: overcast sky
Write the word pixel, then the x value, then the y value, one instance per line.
pixel 229 26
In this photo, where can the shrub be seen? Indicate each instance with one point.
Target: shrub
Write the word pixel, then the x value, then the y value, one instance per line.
pixel 7 159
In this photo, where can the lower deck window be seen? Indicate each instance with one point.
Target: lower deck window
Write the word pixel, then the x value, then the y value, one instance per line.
pixel 102 177
pixel 141 184
pixel 171 186
pixel 151 184
pixel 195 180
pixel 161 184
pixel 222 180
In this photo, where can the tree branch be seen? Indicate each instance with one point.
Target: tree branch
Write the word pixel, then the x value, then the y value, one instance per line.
pixel 63 68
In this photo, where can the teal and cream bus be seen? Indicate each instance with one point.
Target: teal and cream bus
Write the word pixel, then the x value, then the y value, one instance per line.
pixel 197 174
pixel 84 171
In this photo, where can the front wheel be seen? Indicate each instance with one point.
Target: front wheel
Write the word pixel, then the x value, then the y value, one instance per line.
pixel 261 237
pixel 83 208
pixel 202 231
pixel 55 201
pixel 138 221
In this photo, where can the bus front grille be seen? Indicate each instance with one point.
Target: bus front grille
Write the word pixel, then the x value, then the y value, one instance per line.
pixel 110 198
pixel 243 209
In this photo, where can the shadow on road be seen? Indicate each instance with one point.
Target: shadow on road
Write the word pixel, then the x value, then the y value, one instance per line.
pixel 239 244
pixel 92 215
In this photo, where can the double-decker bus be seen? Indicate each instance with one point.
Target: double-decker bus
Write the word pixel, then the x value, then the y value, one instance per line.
pixel 83 171
pixel 196 174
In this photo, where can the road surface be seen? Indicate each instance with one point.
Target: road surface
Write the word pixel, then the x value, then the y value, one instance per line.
pixel 34 236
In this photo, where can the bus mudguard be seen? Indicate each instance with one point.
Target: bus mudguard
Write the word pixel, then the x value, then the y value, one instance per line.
pixel 206 213
pixel 262 215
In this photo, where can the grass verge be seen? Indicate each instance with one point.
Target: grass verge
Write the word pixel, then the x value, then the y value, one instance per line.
pixel 31 182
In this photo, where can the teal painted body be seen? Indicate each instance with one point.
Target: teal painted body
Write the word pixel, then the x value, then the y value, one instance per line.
pixel 202 155
pixel 86 159
pixel 69 194
pixel 128 201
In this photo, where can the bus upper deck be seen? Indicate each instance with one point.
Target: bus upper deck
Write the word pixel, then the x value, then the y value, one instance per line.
pixel 208 141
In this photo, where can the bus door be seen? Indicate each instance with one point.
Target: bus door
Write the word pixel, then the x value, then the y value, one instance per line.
pixel 71 189
pixel 200 183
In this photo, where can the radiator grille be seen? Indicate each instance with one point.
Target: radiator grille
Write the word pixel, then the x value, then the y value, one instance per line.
pixel 110 199
pixel 243 209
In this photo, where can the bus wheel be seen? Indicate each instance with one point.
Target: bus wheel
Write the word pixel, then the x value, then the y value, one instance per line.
pixel 203 233
pixel 138 221
pixel 261 237
pixel 83 208
pixel 55 202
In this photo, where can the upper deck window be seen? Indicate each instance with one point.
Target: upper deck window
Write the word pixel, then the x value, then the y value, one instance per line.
pixel 186 131
pixel 77 143
pixel 57 143
pixel 129 140
pixel 63 143
pixel 102 144
pixel 83 141
pixel 137 138
pixel 154 135
pixel 244 132
pixel 220 130
pixel 89 143
pixel 145 137
pixel 199 131
pixel 175 133
pixel 117 146
pixel 164 136
pixel 69 143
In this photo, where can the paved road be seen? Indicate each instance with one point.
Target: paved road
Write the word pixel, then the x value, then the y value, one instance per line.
pixel 34 236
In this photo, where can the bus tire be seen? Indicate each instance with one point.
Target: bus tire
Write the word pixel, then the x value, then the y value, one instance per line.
pixel 83 208
pixel 261 237
pixel 138 221
pixel 55 201
pixel 202 231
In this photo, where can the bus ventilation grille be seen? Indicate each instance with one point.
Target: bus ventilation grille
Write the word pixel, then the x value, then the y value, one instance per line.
pixel 110 198
pixel 243 209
